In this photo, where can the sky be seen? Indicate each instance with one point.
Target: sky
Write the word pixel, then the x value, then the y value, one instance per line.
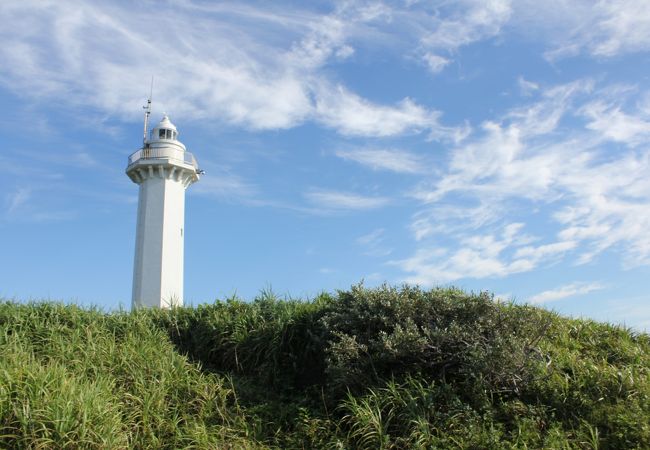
pixel 492 145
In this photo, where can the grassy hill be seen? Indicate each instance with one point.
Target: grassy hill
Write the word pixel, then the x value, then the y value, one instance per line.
pixel 366 368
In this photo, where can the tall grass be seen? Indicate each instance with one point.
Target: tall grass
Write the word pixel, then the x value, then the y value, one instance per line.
pixel 364 368
pixel 72 378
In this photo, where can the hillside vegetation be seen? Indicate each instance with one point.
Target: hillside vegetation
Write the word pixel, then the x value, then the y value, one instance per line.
pixel 367 368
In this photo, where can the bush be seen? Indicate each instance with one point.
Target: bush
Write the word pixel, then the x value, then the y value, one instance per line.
pixel 365 368
pixel 470 341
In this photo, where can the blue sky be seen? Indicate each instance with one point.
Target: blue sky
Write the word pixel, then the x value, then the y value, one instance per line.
pixel 490 145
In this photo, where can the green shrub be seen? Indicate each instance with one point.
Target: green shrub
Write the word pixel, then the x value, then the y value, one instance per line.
pixel 479 346
pixel 393 368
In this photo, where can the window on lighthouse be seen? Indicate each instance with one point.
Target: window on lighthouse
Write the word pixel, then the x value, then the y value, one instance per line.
pixel 164 133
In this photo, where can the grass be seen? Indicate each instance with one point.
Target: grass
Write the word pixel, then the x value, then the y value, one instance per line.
pixel 380 368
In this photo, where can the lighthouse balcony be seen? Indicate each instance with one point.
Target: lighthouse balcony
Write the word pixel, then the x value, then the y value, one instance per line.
pixel 171 154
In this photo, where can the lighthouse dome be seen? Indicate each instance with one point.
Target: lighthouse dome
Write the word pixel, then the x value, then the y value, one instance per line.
pixel 164 130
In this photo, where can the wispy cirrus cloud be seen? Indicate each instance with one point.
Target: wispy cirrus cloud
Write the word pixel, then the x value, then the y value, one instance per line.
pixel 353 115
pixel 257 67
pixel 394 160
pixel 469 22
pixel 344 201
pixel 435 63
pixel 526 87
pixel 565 291
pixel 17 198
pixel 494 255
pixel 566 28
pixel 23 206
pixel 265 67
pixel 601 29
pixel 598 200
pixel 621 26
pixel 373 243
pixel 607 119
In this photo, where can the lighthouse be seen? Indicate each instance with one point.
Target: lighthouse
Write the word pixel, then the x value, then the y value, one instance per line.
pixel 162 169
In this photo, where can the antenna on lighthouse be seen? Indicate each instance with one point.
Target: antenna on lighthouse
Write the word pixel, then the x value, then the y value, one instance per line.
pixel 147 112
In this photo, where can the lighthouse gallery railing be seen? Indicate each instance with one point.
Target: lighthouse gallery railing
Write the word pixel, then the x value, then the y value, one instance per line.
pixel 163 153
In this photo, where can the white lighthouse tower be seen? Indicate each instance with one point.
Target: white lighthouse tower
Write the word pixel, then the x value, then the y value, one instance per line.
pixel 163 169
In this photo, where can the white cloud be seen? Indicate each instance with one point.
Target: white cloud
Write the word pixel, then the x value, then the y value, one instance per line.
pixel 265 67
pixel 394 160
pixel 433 266
pixel 448 217
pixel 372 238
pixel 258 67
pixel 566 291
pixel 622 26
pixel 17 198
pixel 596 198
pixel 435 62
pixel 432 33
pixel 472 21
pixel 344 52
pixel 600 29
pixel 566 27
pixel 526 87
pixel 480 256
pixel 224 72
pixel 616 125
pixel 604 28
pixel 544 251
pixel 353 115
pixel 373 243
pixel 503 297
pixel 24 206
pixel 374 277
pixel 500 161
pixel 337 201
